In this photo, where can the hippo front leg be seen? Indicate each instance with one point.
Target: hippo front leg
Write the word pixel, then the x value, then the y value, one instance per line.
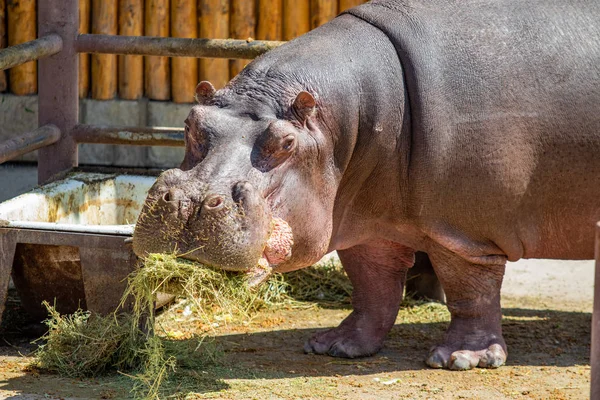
pixel 474 337
pixel 378 273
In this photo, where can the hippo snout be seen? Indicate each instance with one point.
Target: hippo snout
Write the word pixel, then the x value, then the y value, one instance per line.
pixel 225 227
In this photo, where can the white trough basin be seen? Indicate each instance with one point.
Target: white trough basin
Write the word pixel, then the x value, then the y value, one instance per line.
pixel 83 202
pixel 64 242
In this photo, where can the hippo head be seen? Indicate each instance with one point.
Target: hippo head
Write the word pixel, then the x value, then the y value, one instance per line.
pixel 256 186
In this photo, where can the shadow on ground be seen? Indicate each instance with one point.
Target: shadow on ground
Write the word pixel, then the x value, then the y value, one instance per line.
pixel 534 338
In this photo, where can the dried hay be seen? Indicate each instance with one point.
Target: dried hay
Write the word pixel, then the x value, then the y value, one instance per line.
pixel 84 344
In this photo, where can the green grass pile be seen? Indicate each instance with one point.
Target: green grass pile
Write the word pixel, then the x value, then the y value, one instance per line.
pixel 85 345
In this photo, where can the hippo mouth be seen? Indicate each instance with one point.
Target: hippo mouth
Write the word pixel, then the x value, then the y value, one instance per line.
pixel 233 232
pixel 278 249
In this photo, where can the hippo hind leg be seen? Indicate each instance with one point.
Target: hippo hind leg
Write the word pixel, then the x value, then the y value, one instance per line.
pixel 474 337
pixel 378 273
pixel 422 282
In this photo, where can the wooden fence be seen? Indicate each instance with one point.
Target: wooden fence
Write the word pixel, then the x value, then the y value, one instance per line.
pixel 107 76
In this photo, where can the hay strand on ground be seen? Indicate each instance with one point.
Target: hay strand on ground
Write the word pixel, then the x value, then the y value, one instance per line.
pixel 84 344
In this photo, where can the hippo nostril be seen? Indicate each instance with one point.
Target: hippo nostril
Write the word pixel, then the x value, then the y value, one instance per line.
pixel 213 203
pixel 240 190
pixel 174 195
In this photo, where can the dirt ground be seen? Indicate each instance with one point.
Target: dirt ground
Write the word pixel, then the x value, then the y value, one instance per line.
pixel 547 315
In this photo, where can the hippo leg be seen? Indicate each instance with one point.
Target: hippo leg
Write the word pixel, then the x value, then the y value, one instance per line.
pixel 474 337
pixel 378 273
pixel 422 282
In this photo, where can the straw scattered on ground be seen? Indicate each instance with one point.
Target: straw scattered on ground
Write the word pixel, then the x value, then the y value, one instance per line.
pixel 133 343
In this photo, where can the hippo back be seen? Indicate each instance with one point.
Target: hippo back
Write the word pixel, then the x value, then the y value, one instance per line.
pixel 503 98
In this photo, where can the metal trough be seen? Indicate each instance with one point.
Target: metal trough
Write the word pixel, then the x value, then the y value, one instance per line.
pixel 65 242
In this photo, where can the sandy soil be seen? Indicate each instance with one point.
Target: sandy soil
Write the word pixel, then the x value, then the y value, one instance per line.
pixel 547 314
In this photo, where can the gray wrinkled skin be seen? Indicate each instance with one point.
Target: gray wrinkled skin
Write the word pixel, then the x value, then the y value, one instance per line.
pixel 468 130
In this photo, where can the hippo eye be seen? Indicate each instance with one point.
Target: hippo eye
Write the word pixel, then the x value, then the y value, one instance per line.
pixel 252 116
pixel 269 152
pixel 288 143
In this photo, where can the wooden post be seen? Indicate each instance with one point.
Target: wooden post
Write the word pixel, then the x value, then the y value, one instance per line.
pixel 3 83
pixel 131 68
pixel 84 59
pixel 322 11
pixel 58 95
pixel 243 26
pixel 22 28
pixel 157 75
pixel 296 18
pixel 104 66
pixel 184 72
pixel 270 19
pixel 346 4
pixel 214 23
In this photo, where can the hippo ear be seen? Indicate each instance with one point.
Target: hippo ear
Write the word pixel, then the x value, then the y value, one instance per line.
pixel 304 106
pixel 204 92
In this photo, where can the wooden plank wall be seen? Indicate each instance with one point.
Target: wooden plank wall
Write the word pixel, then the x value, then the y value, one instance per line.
pixel 22 27
pixel 157 84
pixel 131 68
pixel 106 76
pixel 184 71
pixel 85 15
pixel 104 66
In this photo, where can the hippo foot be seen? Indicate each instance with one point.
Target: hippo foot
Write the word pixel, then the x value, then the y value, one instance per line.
pixel 353 338
pixel 491 354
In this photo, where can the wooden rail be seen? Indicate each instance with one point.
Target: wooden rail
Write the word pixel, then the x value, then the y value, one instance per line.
pixel 173 47
pixel 134 136
pixel 30 51
pixel 106 76
pixel 59 135
pixel 25 143
pixel 65 76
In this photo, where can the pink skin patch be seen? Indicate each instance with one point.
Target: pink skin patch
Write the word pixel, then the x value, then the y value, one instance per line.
pixel 277 250
pixel 279 245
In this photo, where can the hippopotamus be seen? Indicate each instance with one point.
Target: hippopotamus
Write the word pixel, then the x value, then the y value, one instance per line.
pixel 464 129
